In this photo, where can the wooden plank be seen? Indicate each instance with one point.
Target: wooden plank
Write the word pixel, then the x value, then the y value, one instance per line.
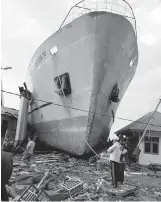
pixel 46 161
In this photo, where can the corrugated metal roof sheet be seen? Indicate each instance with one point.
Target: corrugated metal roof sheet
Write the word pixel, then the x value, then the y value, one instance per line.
pixel 9 112
pixel 141 123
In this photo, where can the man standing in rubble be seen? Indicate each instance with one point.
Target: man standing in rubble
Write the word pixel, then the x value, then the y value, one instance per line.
pixel 28 153
pixel 116 150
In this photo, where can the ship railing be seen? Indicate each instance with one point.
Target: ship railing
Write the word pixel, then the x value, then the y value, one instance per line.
pixel 121 7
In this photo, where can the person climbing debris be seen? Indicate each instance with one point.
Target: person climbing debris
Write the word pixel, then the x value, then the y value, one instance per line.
pixel 28 153
pixel 117 168
pixel 6 172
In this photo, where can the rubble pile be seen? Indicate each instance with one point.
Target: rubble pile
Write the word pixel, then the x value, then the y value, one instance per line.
pixel 94 176
pixel 155 166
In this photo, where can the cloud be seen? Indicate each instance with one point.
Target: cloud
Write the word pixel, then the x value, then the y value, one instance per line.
pixel 148 39
pixel 155 15
pixel 149 32
pixel 10 84
pixel 32 31
pixel 27 28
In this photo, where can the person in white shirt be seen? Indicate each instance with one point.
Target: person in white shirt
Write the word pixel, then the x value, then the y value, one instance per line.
pixel 116 150
pixel 28 153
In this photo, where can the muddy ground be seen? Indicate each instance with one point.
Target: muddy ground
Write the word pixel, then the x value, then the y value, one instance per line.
pixel 60 165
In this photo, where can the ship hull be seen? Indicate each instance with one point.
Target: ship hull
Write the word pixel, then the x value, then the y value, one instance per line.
pixel 96 50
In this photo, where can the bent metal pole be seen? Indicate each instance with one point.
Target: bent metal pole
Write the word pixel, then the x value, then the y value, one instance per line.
pixel 22 116
pixel 148 123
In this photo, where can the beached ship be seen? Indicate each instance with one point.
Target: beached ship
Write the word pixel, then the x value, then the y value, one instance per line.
pixel 82 72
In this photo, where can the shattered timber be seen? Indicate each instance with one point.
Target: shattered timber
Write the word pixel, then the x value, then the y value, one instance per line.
pixel 80 180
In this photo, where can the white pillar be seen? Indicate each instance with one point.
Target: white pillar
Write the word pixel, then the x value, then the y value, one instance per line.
pixel 22 120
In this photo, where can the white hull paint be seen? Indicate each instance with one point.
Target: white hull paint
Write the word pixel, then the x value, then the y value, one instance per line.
pixel 96 50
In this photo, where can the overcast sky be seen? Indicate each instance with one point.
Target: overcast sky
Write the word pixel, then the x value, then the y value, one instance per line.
pixel 27 23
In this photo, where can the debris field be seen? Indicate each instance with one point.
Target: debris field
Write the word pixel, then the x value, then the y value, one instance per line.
pixel 78 179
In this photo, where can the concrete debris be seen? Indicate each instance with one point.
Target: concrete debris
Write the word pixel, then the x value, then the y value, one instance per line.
pixel 156 175
pixel 56 196
pixel 93 159
pixel 18 189
pixel 94 175
pixel 10 192
pixel 121 191
pixel 134 167
pixel 154 167
pixel 83 197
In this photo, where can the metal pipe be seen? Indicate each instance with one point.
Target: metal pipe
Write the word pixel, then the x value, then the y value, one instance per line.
pixel 148 123
pixel 68 13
